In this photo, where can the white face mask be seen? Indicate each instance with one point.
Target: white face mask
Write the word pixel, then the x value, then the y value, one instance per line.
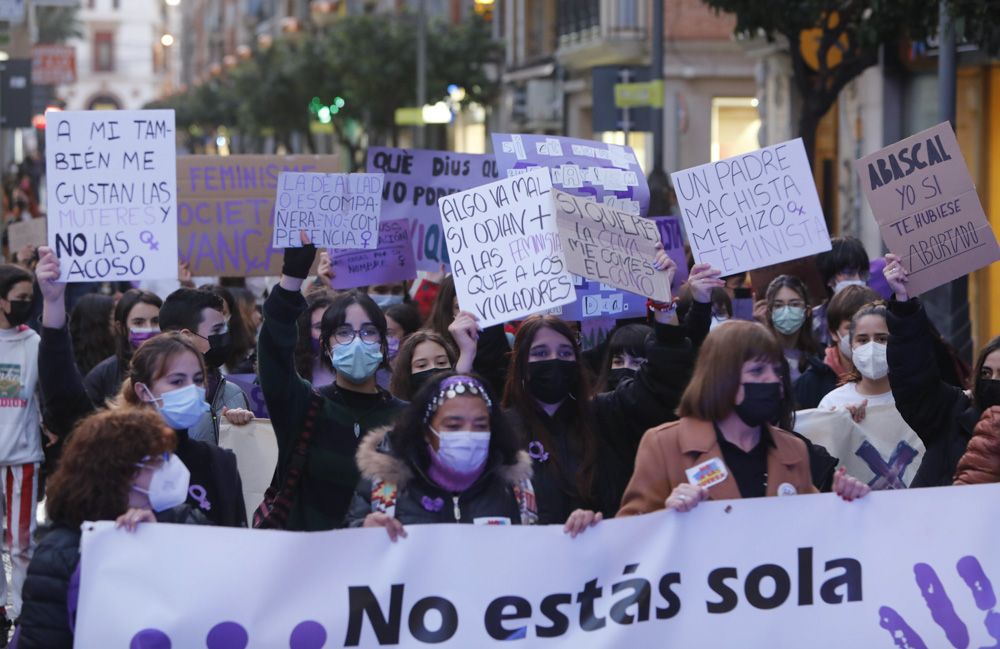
pixel 717 320
pixel 462 451
pixel 169 484
pixel 841 285
pixel 845 346
pixel 871 361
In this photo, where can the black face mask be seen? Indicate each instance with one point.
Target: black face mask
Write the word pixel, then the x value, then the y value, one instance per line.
pixel 20 311
pixel 554 380
pixel 618 375
pixel 220 346
pixel 761 403
pixel 987 393
pixel 420 379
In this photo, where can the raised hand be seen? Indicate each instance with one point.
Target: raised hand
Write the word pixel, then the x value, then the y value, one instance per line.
pixel 297 263
pixel 465 330
pixel 53 291
pixel 662 262
pixel 896 277
pixel 702 280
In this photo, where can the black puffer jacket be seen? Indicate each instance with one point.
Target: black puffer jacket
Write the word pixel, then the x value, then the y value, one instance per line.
pixel 942 415
pixel 816 382
pixel 420 501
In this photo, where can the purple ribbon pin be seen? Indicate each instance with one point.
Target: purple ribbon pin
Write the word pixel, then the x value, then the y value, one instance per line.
pixel 537 451
pixel 200 496
pixel 432 504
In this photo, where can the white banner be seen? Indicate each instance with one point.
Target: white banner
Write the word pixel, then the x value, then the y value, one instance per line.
pixel 804 571
pixel 880 450
pixel 256 450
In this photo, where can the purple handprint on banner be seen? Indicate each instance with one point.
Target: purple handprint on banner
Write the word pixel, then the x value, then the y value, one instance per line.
pixel 942 610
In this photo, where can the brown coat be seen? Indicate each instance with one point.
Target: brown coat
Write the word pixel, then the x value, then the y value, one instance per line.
pixel 981 462
pixel 667 451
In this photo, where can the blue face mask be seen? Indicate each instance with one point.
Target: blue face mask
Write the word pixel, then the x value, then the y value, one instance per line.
pixel 182 408
pixel 357 360
pixel 385 301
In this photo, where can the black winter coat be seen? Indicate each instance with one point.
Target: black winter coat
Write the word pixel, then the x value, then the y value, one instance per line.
pixel 942 415
pixel 619 420
pixel 104 381
pixel 816 382
pixel 420 501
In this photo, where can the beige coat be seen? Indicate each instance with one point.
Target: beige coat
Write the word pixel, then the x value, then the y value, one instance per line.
pixel 667 451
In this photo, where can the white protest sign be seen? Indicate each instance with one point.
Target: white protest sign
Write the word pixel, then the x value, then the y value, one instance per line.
pixel 610 246
pixel 881 450
pixel 335 210
pixel 800 571
pixel 256 450
pixel 112 194
pixel 504 247
pixel 752 210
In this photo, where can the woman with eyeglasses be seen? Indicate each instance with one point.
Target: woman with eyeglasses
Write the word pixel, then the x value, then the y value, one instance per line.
pixel 117 465
pixel 337 416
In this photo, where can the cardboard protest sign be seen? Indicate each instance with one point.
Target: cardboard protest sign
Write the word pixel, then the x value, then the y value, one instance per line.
pixel 414 181
pixel 927 208
pixel 334 210
pixel 672 238
pixel 597 300
pixel 505 252
pixel 609 173
pixel 256 450
pixel 609 246
pixel 26 233
pixel 225 210
pixel 392 261
pixel 752 210
pixel 112 194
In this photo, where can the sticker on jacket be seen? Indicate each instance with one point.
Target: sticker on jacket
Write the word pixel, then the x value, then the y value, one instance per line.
pixel 708 473
pixel 491 520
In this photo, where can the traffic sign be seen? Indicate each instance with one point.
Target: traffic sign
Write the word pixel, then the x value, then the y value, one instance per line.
pixel 639 95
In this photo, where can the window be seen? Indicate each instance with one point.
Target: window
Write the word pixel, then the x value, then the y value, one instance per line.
pixel 104 52
pixel 735 124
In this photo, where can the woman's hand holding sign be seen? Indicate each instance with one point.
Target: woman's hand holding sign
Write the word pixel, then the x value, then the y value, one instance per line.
pixel 895 276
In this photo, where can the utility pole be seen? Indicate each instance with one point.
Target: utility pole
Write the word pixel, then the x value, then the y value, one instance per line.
pixel 421 67
pixel 659 184
pixel 948 305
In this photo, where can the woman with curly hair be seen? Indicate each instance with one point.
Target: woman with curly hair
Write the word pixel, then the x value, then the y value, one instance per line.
pixel 118 465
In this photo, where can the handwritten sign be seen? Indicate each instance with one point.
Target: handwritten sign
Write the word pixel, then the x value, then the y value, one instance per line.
pixel 26 233
pixel 505 252
pixel 597 300
pixel 672 238
pixel 414 181
pixel 391 262
pixel 334 210
pixel 609 246
pixel 608 173
pixel 752 210
pixel 927 208
pixel 112 194
pixel 225 211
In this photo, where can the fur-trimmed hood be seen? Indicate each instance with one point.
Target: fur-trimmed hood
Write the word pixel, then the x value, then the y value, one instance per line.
pixel 376 460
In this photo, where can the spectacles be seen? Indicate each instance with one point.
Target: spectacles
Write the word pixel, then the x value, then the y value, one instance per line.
pixel 345 334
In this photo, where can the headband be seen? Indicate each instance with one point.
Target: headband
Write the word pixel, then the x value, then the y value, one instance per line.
pixel 456 386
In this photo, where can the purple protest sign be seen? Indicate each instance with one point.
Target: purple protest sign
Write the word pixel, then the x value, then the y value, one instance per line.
pixel 391 262
pixel 672 238
pixel 414 181
pixel 594 331
pixel 596 300
pixel 607 173
pixel 248 382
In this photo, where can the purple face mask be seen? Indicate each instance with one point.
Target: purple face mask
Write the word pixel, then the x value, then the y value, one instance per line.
pixel 137 336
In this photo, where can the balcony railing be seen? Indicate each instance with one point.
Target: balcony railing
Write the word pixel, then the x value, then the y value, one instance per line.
pixel 581 21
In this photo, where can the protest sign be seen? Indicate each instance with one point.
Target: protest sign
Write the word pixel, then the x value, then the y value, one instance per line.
pixel 334 210
pixel 609 173
pixel 610 246
pixel 597 300
pixel 225 211
pixel 880 450
pixel 927 208
pixel 798 571
pixel 256 450
pixel 752 210
pixel 595 331
pixel 391 262
pixel 672 238
pixel 505 252
pixel 26 233
pixel 414 181
pixel 112 194
pixel 251 387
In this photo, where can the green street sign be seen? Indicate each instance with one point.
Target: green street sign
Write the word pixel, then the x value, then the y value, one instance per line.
pixel 409 116
pixel 639 95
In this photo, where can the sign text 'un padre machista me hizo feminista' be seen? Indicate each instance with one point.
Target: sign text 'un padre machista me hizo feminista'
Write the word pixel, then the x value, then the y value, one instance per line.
pixel 338 211
pixel 112 194
pixel 752 210
pixel 505 251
